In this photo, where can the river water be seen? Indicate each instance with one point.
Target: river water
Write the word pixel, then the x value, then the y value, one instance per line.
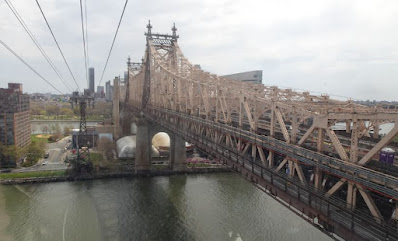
pixel 37 125
pixel 194 207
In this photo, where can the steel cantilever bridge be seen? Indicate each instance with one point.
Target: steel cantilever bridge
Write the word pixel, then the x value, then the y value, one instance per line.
pixel 280 139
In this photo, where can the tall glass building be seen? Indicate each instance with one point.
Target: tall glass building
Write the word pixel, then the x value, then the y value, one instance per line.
pixel 91 83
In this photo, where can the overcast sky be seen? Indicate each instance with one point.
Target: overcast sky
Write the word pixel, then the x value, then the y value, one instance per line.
pixel 343 48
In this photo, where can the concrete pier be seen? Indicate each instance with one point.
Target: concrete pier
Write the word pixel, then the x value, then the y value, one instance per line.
pixel 178 153
pixel 143 153
pixel 115 109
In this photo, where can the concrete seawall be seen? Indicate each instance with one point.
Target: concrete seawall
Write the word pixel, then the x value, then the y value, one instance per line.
pixel 113 175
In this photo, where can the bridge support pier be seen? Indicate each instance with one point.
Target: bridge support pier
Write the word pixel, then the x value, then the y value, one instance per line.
pixel 115 108
pixel 143 151
pixel 178 154
pixel 126 123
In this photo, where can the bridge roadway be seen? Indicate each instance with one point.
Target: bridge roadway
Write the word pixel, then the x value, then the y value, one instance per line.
pixel 331 212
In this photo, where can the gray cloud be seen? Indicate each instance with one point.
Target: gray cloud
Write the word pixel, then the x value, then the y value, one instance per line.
pixel 337 47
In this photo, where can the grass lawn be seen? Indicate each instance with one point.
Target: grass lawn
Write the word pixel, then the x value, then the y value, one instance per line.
pixel 40 138
pixel 198 165
pixel 57 173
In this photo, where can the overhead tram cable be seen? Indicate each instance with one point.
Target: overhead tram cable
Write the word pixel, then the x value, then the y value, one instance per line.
pixel 30 67
pixel 59 48
pixel 85 10
pixel 84 41
pixel 113 42
pixel 33 38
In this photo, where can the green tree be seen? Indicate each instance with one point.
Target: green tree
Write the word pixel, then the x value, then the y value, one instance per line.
pixel 43 112
pixel 67 112
pixel 51 109
pixel 9 155
pixel 57 111
pixel 35 110
pixel 35 151
pixel 76 111
pixel 82 166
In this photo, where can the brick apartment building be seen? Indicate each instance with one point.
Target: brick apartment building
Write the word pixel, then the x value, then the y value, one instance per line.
pixel 14 116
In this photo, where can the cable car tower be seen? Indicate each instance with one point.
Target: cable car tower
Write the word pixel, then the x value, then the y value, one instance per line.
pixel 82 140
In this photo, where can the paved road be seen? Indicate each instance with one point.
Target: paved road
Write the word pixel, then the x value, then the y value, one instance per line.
pixel 55 161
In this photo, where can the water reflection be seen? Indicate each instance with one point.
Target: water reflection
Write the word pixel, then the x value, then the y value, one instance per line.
pixel 194 207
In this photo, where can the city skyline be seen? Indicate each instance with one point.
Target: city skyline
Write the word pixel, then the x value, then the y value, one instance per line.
pixel 342 49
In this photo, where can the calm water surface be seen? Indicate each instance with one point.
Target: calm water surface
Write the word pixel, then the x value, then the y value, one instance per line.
pixel 194 207
pixel 37 125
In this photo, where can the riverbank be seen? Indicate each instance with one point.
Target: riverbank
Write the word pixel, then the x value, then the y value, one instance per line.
pixel 60 120
pixel 61 176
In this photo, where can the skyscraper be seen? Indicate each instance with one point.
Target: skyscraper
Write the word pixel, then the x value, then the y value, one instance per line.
pixel 91 80
pixel 108 94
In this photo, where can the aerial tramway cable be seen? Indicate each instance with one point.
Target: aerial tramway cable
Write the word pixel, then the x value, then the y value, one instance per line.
pixel 56 42
pixel 33 38
pixel 84 40
pixel 113 42
pixel 30 67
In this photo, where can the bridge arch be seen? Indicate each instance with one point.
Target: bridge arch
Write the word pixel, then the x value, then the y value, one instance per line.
pixel 161 143
pixel 146 132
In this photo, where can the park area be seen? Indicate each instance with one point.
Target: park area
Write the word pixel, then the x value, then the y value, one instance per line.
pixel 40 138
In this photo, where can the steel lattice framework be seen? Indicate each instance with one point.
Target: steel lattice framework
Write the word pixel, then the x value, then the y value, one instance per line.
pixel 265 122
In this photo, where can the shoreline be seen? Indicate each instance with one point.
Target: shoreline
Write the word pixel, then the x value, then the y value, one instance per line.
pixel 31 180
pixel 58 120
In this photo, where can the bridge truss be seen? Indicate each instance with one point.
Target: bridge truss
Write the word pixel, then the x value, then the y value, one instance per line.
pixel 279 131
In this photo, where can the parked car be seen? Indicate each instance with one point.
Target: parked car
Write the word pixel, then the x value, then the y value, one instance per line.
pixel 46 155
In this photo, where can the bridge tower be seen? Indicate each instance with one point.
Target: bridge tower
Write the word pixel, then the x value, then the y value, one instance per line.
pixel 144 127
pixel 127 119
